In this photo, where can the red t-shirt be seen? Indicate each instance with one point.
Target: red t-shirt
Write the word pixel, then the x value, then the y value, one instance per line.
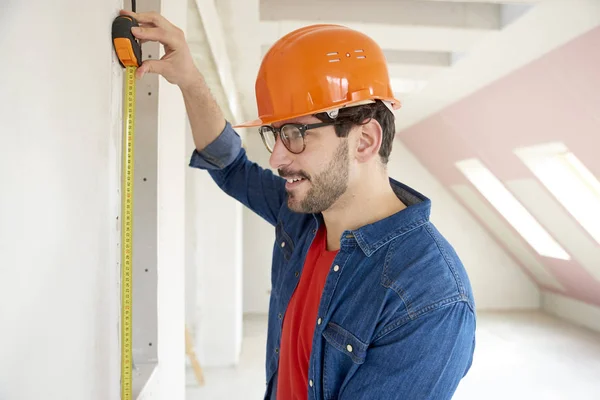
pixel 300 320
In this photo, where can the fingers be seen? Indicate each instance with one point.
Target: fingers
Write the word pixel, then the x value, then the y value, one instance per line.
pixel 152 66
pixel 151 17
pixel 154 27
pixel 127 12
pixel 166 37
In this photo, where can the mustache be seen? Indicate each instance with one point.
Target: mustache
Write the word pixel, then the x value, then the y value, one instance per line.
pixel 287 173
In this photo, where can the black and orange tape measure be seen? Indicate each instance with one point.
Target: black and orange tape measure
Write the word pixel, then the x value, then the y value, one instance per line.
pixel 127 47
pixel 129 53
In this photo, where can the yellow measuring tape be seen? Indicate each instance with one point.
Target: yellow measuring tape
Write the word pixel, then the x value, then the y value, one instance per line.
pixel 127 233
pixel 129 52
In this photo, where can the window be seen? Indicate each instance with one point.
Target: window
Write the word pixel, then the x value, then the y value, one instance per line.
pixel 573 185
pixel 511 209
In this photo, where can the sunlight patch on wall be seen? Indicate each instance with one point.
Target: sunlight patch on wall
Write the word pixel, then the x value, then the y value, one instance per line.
pixel 565 176
pixel 511 209
pixel 501 230
pixel 559 223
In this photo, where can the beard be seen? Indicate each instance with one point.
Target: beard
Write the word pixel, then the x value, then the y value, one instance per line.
pixel 327 187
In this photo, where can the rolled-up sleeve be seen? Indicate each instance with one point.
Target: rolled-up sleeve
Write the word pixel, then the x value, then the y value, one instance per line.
pixel 220 152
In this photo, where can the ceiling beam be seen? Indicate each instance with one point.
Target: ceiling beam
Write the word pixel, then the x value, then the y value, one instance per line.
pixel 240 24
pixel 211 24
pixel 400 12
pixel 425 58
pixel 416 72
pixel 490 1
pixel 389 37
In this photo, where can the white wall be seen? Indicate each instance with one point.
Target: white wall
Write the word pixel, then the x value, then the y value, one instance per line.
pixel 168 380
pixel 214 254
pixel 258 247
pixel 193 287
pixel 218 308
pixel 60 132
pixel 498 282
pixel 60 107
pixel 575 311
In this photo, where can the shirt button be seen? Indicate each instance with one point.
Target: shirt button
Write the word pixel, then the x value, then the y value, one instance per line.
pixel 282 244
pixel 296 274
pixel 336 268
pixel 310 383
pixel 280 315
pixel 319 321
pixel 349 348
pixel 276 349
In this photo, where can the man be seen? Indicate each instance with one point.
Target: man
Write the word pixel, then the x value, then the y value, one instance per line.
pixel 368 299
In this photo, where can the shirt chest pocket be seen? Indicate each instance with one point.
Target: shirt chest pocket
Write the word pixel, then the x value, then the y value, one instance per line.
pixel 343 355
pixel 284 242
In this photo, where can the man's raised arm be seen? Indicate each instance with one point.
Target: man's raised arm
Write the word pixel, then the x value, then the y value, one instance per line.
pixel 218 146
pixel 177 67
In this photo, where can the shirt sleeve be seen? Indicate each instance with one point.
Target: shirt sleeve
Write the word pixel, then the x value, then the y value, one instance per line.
pixel 254 186
pixel 220 152
pixel 424 359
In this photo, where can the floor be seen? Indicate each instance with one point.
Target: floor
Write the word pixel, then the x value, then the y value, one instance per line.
pixel 519 355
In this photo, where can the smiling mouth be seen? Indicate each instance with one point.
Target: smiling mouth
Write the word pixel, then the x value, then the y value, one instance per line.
pixel 292 180
pixel 292 183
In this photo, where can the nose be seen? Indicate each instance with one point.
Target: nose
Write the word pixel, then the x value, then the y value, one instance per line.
pixel 280 156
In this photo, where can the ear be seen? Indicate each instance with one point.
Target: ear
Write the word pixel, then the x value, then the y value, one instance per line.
pixel 369 140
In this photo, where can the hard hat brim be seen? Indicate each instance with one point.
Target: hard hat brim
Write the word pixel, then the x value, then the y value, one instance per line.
pixel 392 105
pixel 250 124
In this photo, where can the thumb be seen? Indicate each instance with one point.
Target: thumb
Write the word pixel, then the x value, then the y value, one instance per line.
pixel 152 66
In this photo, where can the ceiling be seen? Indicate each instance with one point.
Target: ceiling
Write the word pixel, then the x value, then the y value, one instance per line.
pixel 438 50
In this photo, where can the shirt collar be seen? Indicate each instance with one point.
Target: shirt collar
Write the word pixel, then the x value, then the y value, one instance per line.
pixel 373 236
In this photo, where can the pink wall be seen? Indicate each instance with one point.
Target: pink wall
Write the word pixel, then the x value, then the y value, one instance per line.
pixel 554 98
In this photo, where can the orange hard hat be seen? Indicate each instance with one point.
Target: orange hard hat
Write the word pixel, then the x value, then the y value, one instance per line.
pixel 320 68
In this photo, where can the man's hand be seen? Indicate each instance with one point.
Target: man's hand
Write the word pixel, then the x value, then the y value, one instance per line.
pixel 177 65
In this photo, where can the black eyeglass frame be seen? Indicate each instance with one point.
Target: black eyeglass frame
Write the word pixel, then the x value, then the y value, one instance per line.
pixel 302 128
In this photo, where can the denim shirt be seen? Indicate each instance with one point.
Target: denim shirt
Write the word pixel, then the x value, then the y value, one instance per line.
pixel 397 315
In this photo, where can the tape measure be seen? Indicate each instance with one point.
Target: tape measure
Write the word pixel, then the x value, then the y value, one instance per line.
pixel 129 53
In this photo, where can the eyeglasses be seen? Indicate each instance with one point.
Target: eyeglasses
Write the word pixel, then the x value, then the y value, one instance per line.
pixel 292 135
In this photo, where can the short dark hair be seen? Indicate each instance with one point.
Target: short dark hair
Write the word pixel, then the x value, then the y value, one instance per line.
pixel 351 116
